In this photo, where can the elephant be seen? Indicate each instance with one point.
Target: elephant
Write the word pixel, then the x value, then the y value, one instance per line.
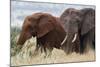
pixel 79 25
pixel 47 29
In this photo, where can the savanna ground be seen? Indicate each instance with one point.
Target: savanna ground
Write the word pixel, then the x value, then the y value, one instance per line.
pixel 26 57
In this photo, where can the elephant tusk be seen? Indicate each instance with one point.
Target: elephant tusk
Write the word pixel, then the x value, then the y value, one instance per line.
pixel 64 40
pixel 75 36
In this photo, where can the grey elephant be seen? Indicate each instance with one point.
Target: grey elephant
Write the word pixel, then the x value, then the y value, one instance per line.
pixel 79 26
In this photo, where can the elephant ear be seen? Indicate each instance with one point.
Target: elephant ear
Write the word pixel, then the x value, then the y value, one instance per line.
pixel 88 21
pixel 45 25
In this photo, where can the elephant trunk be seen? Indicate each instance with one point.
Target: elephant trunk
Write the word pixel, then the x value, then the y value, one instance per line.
pixel 67 42
pixel 21 39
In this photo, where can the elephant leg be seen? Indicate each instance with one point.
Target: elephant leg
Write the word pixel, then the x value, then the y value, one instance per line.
pixel 87 42
pixel 48 49
pixel 49 52
pixel 84 42
pixel 44 49
pixel 82 45
pixel 90 42
pixel 38 45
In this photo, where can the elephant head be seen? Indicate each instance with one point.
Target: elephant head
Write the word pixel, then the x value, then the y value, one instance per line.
pixel 37 25
pixel 71 19
pixel 77 22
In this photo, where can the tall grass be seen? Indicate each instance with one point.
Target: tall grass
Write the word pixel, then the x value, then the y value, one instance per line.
pixel 14 33
pixel 26 55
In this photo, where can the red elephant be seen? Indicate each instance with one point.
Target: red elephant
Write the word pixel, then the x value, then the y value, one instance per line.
pixel 47 28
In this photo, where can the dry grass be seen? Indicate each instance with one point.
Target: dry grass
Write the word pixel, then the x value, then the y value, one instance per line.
pixel 25 57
